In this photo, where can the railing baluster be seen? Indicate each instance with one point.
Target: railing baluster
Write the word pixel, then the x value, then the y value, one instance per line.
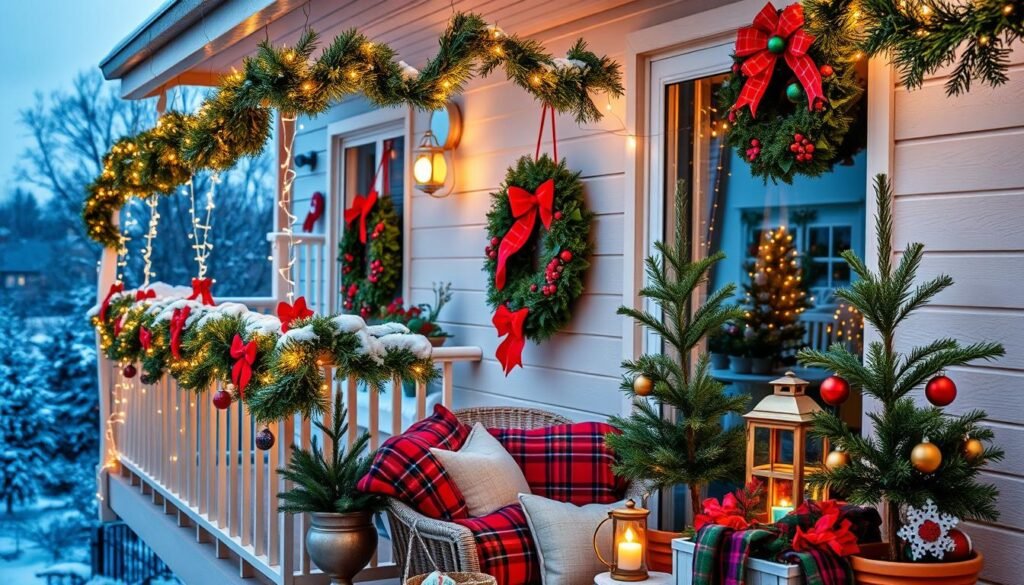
pixel 287 522
pixel 261 503
pixel 421 400
pixel 203 430
pixel 273 524
pixel 374 416
pixel 245 503
pixel 305 432
pixel 190 451
pixel 222 467
pixel 353 410
pixel 396 405
pixel 448 385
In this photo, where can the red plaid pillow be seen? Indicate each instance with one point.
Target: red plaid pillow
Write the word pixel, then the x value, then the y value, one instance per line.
pixel 405 469
pixel 505 546
pixel 568 463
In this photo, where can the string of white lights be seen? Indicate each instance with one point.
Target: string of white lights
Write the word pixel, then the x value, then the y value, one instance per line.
pixel 147 251
pixel 200 235
pixel 117 416
pixel 285 203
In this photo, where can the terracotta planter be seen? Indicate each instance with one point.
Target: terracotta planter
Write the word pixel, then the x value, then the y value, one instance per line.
pixel 870 569
pixel 659 550
pixel 437 341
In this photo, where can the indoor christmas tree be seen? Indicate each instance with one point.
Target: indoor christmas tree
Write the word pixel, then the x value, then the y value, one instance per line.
pixel 676 436
pixel 775 295
pixel 921 461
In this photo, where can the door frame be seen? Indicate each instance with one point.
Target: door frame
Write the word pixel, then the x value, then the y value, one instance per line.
pixel 353 131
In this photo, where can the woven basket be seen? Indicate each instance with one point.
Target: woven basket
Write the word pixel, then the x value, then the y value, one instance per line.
pixel 459 578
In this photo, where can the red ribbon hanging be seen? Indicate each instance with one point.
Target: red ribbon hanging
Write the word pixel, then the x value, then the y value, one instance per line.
pixel 145 338
pixel 316 210
pixel 178 319
pixel 115 288
pixel 523 204
pixel 144 293
pixel 362 205
pixel 759 63
pixel 117 327
pixel 290 313
pixel 510 324
pixel 201 289
pixel 245 356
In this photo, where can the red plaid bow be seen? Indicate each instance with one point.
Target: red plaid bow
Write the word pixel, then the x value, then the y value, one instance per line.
pixel 144 293
pixel 201 289
pixel 523 203
pixel 115 288
pixel 178 319
pixel 759 63
pixel 828 532
pixel 288 314
pixel 510 323
pixel 245 356
pixel 361 207
pixel 316 209
pixel 145 338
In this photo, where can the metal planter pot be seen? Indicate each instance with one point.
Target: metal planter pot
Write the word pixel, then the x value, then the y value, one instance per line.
pixel 341 544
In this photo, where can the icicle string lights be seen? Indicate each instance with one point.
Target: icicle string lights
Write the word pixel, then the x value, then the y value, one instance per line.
pixel 147 251
pixel 285 203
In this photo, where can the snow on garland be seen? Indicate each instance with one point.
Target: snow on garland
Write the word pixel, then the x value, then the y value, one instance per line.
pixel 196 344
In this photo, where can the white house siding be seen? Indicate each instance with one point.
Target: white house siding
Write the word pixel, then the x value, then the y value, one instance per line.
pixel 959 184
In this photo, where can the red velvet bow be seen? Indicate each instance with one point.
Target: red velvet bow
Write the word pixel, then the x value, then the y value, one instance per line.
pixel 316 209
pixel 144 293
pixel 145 338
pixel 828 532
pixel 361 207
pixel 288 314
pixel 115 288
pixel 727 513
pixel 245 356
pixel 510 323
pixel 523 203
pixel 201 289
pixel 759 63
pixel 178 319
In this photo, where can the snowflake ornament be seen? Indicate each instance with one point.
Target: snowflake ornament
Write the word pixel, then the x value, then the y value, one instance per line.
pixel 927 531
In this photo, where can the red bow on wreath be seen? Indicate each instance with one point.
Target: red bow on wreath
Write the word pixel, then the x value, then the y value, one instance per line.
pixel 201 289
pixel 178 319
pixel 510 323
pixel 760 44
pixel 361 207
pixel 115 288
pixel 316 209
pixel 145 338
pixel 245 356
pixel 144 293
pixel 523 203
pixel 290 313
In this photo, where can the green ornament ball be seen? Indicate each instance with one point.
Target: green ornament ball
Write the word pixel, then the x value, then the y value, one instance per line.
pixel 794 92
pixel 776 44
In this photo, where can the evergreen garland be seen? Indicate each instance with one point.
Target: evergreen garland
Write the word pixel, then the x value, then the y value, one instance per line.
pixel 360 293
pixel 570 232
pixel 692 448
pixel 880 465
pixel 234 121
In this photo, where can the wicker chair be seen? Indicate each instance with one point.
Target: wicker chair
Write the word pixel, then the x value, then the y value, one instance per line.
pixel 452 545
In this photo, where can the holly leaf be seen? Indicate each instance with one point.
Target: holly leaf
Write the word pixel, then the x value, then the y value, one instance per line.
pixel 786 164
pixel 576 215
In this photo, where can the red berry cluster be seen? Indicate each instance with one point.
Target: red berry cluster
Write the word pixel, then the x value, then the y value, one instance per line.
pixel 492 249
pixel 347 266
pixel 802 148
pixel 754 150
pixel 350 295
pixel 376 269
pixel 377 230
pixel 552 273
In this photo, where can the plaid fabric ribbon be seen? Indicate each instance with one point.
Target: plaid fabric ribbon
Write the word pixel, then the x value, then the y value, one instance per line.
pixel 525 207
pixel 721 554
pixel 759 63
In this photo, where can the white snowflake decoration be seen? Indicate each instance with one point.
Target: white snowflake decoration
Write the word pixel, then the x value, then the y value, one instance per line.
pixel 927 531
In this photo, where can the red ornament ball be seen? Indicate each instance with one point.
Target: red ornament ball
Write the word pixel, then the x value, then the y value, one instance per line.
pixel 566 255
pixel 962 547
pixel 129 371
pixel 834 390
pixel 222 399
pixel 940 391
pixel 826 70
pixel 264 440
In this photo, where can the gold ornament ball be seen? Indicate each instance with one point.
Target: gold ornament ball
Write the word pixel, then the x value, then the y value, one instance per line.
pixel 837 459
pixel 643 385
pixel 926 457
pixel 973 448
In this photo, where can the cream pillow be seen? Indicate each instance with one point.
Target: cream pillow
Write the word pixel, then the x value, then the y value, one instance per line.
pixel 563 534
pixel 484 472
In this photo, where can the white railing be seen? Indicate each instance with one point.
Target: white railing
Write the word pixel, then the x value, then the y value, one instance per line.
pixel 310 268
pixel 203 461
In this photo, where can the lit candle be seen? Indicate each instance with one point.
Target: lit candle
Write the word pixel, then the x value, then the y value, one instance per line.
pixel 780 511
pixel 631 553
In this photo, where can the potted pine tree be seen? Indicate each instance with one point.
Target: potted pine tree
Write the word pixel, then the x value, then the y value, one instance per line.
pixel 920 462
pixel 691 446
pixel 341 538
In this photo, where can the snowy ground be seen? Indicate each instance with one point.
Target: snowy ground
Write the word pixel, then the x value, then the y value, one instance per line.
pixel 21 569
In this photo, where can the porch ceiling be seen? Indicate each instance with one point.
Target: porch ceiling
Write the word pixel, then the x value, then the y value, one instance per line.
pixel 211 37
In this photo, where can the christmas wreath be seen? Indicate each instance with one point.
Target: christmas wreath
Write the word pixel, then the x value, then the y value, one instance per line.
pixel 538 229
pixel 793 93
pixel 370 251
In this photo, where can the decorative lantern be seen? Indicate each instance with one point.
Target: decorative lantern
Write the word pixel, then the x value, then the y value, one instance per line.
pixel 430 167
pixel 779 451
pixel 629 543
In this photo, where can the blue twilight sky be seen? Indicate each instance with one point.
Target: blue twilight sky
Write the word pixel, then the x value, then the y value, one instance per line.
pixel 43 45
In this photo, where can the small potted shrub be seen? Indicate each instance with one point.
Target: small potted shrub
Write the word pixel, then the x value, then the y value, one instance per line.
pixel 423 318
pixel 720 345
pixel 341 538
pixel 739 355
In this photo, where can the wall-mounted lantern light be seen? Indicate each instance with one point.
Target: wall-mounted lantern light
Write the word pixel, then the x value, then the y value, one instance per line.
pixel 430 166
